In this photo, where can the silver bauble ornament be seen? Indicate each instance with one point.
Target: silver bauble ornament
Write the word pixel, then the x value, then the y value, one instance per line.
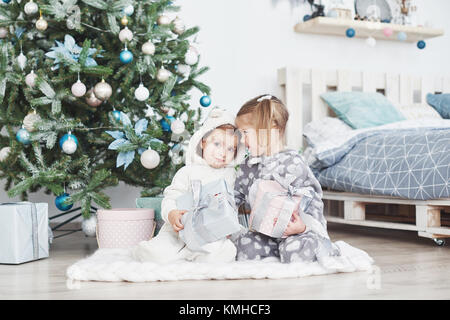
pixel 22 60
pixel 30 79
pixel 4 153
pixel 150 159
pixel 91 99
pixel 177 126
pixel 178 26
pixel 148 48
pixel 128 10
pixel 184 70
pixel 89 226
pixel 163 20
pixel 29 121
pixel 78 89
pixel 141 93
pixel 191 57
pixel 41 24
pixel 30 8
pixel 125 35
pixel 3 32
pixel 69 146
pixel 103 90
pixel 163 75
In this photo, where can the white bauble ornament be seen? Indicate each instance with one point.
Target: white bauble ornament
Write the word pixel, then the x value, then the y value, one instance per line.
pixel 41 24
pixel 4 153
pixel 29 121
pixel 91 99
pixel 163 20
pixel 371 42
pixel 78 89
pixel 103 90
pixel 30 8
pixel 150 159
pixel 69 146
pixel 191 57
pixel 148 48
pixel 30 79
pixel 163 75
pixel 184 70
pixel 177 126
pixel 178 26
pixel 128 10
pixel 3 32
pixel 141 93
pixel 22 60
pixel 193 49
pixel 89 226
pixel 125 35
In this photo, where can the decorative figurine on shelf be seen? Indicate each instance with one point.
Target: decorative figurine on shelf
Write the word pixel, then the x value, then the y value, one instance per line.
pixel 374 10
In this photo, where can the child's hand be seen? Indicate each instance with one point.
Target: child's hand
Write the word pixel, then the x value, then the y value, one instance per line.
pixel 295 226
pixel 175 219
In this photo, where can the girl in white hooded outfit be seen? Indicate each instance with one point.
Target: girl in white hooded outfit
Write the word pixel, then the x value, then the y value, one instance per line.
pixel 212 154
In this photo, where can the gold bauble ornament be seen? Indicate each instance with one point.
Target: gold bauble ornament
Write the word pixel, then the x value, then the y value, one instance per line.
pixel 163 20
pixel 41 23
pixel 124 21
pixel 29 121
pixel 103 90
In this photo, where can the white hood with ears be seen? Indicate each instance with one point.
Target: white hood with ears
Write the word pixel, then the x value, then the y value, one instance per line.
pixel 216 117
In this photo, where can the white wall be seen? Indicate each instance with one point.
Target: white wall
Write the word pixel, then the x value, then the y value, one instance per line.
pixel 244 42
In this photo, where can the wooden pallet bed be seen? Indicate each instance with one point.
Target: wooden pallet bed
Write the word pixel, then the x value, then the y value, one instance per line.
pixel 301 93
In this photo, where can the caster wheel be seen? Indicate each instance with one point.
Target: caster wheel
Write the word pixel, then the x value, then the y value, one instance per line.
pixel 439 242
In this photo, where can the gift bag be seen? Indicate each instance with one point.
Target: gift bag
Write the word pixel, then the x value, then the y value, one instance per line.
pixel 24 232
pixel 211 215
pixel 273 202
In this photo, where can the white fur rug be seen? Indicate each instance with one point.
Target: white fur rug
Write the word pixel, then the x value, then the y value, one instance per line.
pixel 118 265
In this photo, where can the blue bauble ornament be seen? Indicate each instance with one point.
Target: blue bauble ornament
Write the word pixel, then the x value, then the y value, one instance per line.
pixel 116 115
pixel 59 202
pixel 421 44
pixel 350 32
pixel 173 93
pixel 23 136
pixel 65 137
pixel 6 1
pixel 205 101
pixel 306 17
pixel 402 36
pixel 126 56
pixel 166 126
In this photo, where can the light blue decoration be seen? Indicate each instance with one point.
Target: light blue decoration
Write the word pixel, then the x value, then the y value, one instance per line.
pixel 23 136
pixel 71 51
pixel 205 101
pixel 421 44
pixel 332 14
pixel 116 115
pixel 126 56
pixel 59 202
pixel 128 10
pixel 350 32
pixel 166 126
pixel 127 157
pixel 6 1
pixel 65 137
pixel 402 36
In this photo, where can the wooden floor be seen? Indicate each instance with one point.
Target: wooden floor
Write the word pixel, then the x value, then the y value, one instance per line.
pixel 409 268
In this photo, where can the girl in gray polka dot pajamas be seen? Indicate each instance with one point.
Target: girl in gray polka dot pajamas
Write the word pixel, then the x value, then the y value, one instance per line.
pixel 262 122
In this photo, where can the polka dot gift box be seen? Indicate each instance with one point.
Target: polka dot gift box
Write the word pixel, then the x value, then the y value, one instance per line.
pixel 124 228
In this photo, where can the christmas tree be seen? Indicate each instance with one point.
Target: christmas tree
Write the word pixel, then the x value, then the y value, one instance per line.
pixel 93 93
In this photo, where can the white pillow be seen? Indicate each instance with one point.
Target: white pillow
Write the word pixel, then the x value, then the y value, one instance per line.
pixel 418 111
pixel 318 131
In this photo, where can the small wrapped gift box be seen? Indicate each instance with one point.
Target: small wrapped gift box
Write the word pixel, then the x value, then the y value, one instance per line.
pixel 155 204
pixel 212 214
pixel 23 232
pixel 124 228
pixel 273 202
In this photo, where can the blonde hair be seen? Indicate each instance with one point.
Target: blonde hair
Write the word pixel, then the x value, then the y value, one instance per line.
pixel 267 112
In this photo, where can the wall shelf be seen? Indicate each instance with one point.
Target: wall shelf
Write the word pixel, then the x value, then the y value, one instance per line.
pixel 364 29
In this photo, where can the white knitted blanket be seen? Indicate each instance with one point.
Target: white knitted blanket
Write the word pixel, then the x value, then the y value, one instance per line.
pixel 118 265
